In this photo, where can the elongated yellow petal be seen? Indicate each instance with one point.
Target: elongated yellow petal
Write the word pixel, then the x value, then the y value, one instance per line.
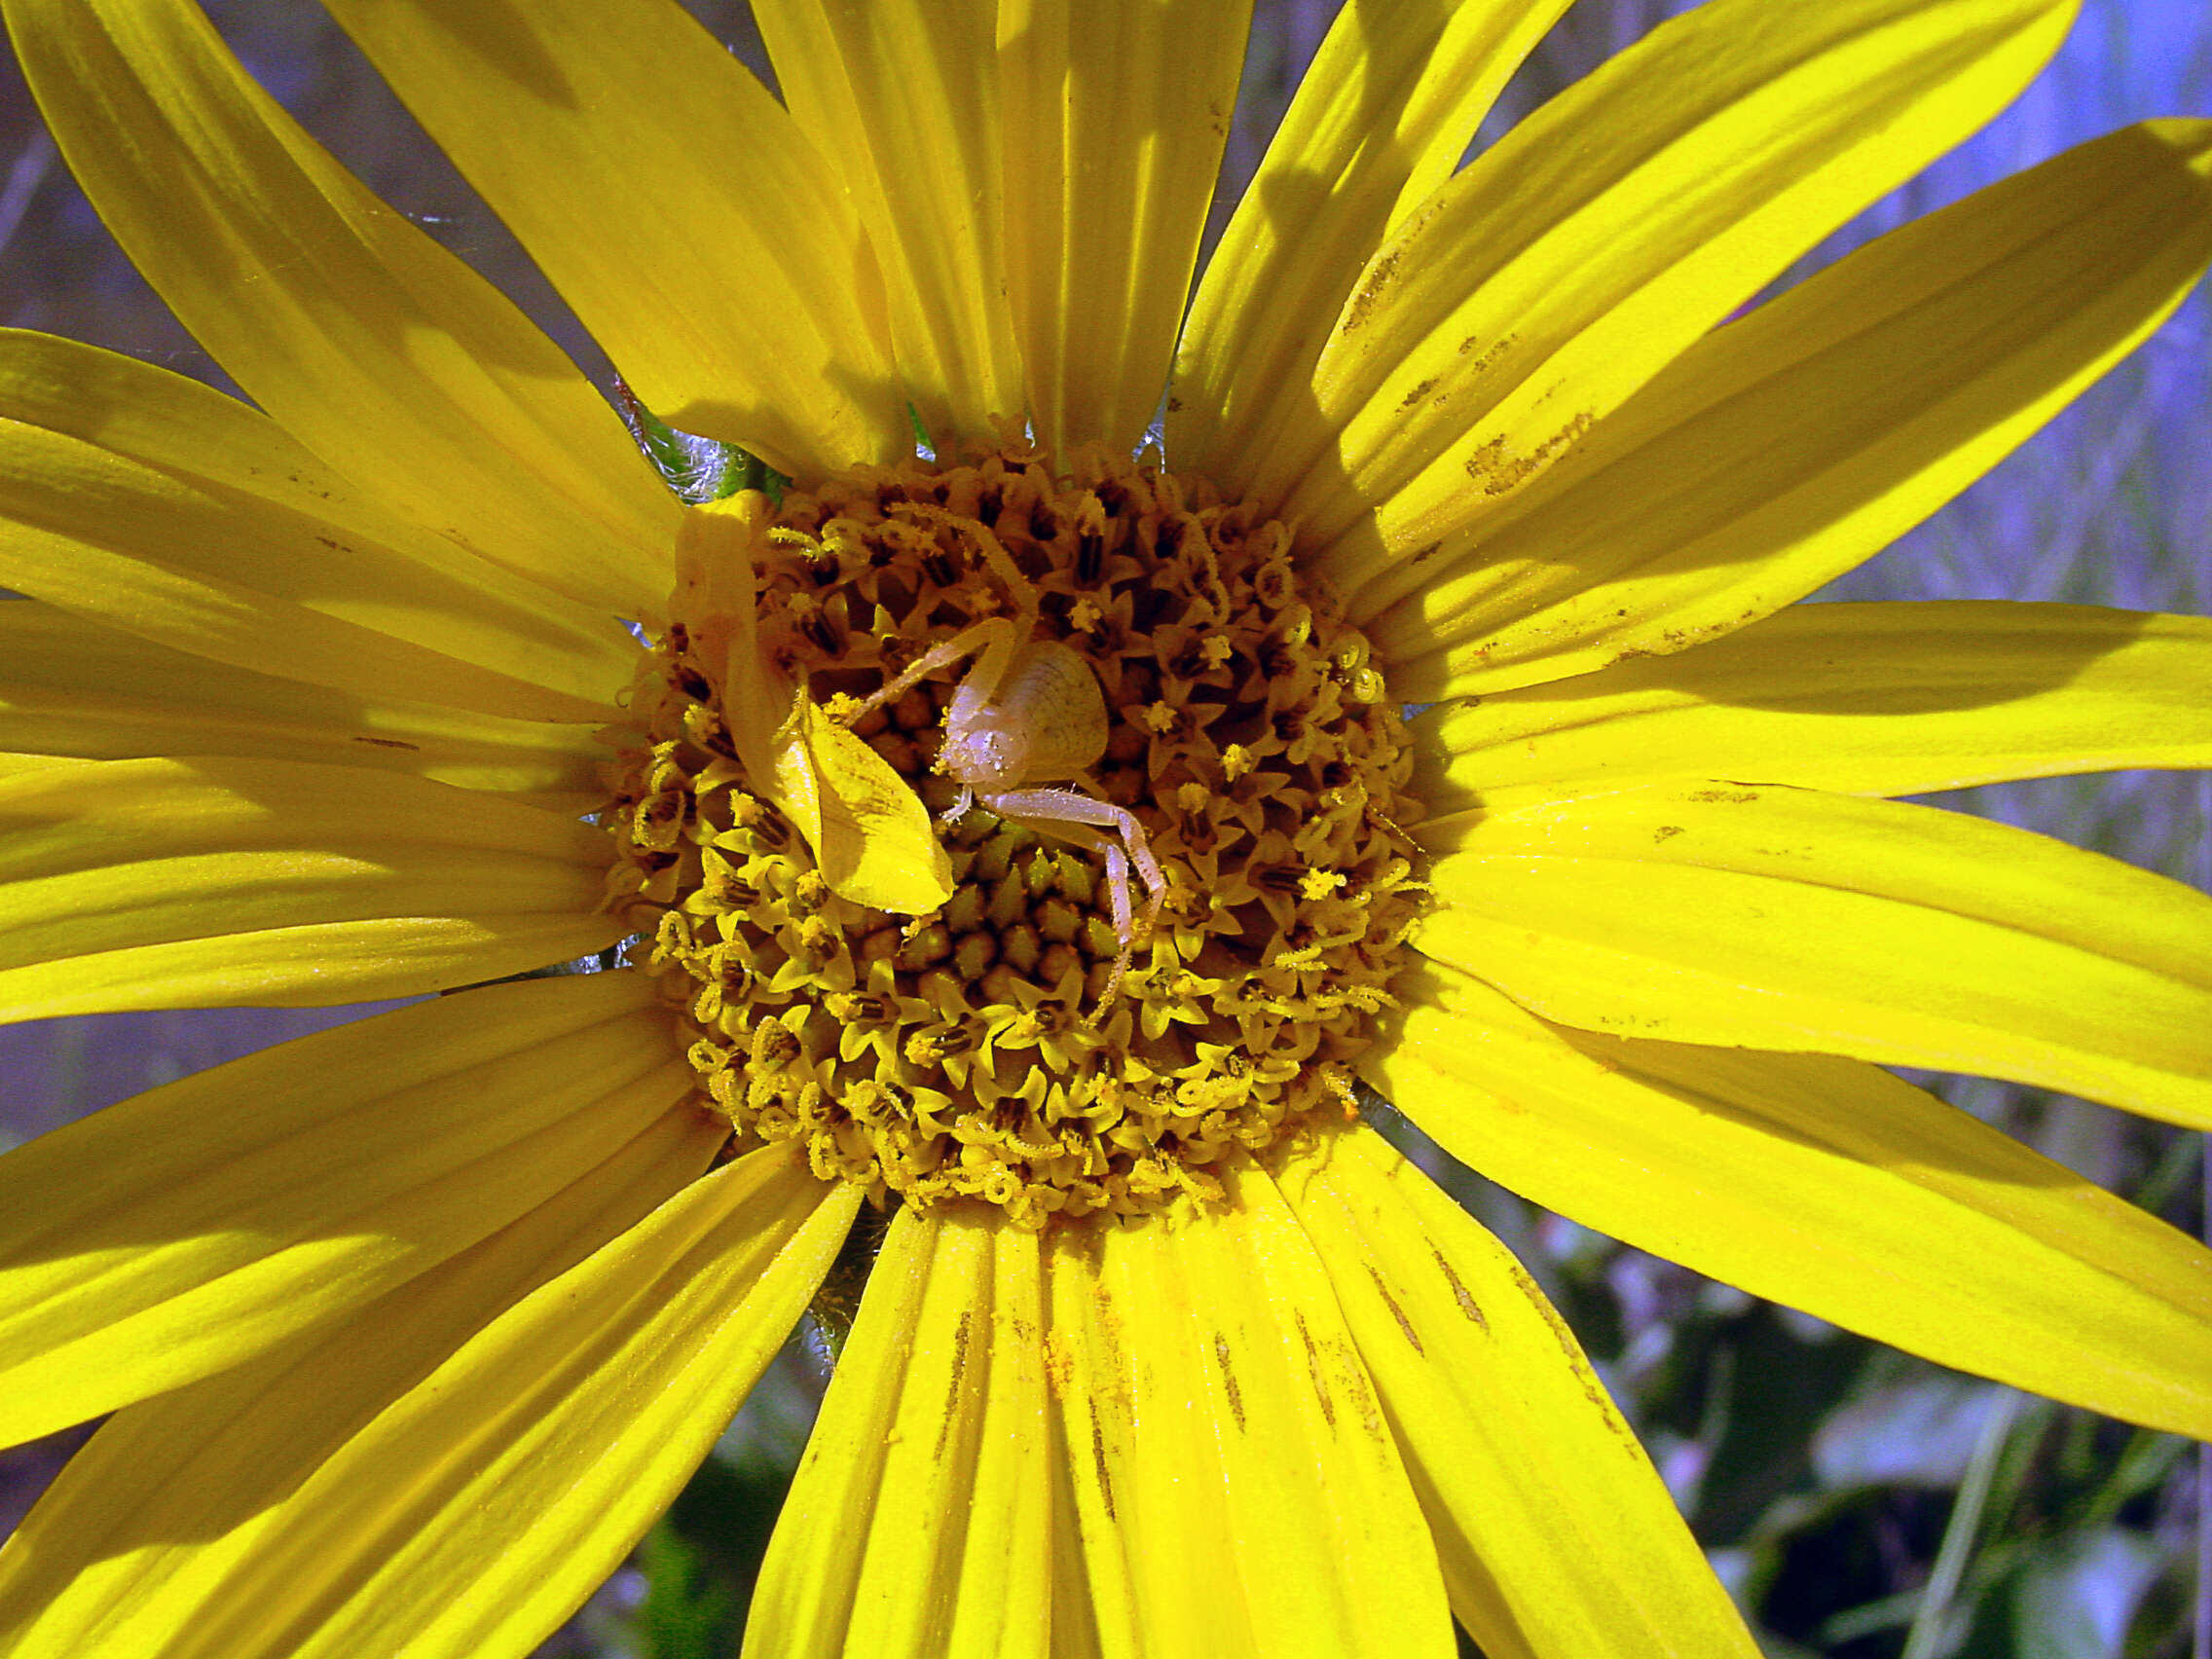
pixel 1827 1184
pixel 176 1492
pixel 1238 1488
pixel 165 508
pixel 1779 918
pixel 903 98
pixel 196 883
pixel 1792 445
pixel 1867 699
pixel 1381 118
pixel 71 687
pixel 1554 1531
pixel 379 350
pixel 1114 117
pixel 193 1227
pixel 482 1508
pixel 1568 264
pixel 709 249
pixel 920 1522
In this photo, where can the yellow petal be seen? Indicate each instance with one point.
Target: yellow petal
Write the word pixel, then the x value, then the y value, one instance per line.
pixel 1827 1184
pixel 1564 267
pixel 71 687
pixel 194 883
pixel 1866 699
pixel 1381 118
pixel 1775 918
pixel 482 1508
pixel 193 1227
pixel 174 1492
pixel 1794 443
pixel 168 509
pixel 376 349
pixel 1113 116
pixel 673 203
pixel 1555 1532
pixel 920 1520
pixel 1237 1489
pixel 902 96
pixel 872 837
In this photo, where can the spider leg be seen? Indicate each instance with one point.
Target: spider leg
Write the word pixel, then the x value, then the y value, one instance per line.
pixel 1077 816
pixel 993 637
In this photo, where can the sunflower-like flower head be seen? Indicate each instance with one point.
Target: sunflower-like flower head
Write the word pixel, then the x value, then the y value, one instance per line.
pixel 1020 837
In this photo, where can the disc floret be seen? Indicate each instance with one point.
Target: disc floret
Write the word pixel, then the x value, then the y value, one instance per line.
pixel 1033 1043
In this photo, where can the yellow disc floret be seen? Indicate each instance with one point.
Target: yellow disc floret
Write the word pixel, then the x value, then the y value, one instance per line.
pixel 1175 905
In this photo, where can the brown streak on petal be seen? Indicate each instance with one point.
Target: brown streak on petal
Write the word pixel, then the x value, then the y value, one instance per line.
pixel 1314 1370
pixel 1459 1293
pixel 1228 1380
pixel 1098 1462
pixel 1397 1313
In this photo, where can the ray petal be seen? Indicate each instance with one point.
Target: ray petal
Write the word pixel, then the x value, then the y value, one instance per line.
pixel 165 508
pixel 382 353
pixel 903 98
pixel 73 688
pixel 174 1492
pixel 1555 1533
pixel 1214 1410
pixel 1569 264
pixel 1824 1183
pixel 276 1194
pixel 1115 118
pixel 1768 917
pixel 1792 444
pixel 1863 699
pixel 710 250
pixel 276 883
pixel 475 1514
pixel 920 1522
pixel 1381 119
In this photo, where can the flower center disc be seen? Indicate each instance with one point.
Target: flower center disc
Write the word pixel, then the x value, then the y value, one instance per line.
pixel 976 1052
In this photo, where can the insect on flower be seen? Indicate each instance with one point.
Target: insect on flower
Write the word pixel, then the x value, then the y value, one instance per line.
pixel 1029 711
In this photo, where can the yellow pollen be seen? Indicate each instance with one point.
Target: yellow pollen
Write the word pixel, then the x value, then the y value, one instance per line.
pixel 1180 958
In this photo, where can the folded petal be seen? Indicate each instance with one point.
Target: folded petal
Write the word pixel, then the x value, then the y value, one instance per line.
pixel 921 1519
pixel 176 1492
pixel 69 687
pixel 382 353
pixel 166 509
pixel 1381 119
pixel 481 1509
pixel 1114 121
pixel 681 214
pixel 1827 1184
pixel 1237 1489
pixel 903 98
pixel 1794 443
pixel 194 883
pixel 1769 917
pixel 1569 263
pixel 193 1227
pixel 1865 699
pixel 1555 1532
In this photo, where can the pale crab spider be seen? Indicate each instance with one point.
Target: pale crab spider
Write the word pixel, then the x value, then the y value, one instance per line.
pixel 1030 711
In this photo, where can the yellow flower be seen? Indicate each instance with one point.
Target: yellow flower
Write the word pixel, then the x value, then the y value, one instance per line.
pixel 410 1328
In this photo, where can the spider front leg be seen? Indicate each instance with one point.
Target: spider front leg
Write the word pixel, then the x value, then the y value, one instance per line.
pixel 1070 813
pixel 991 641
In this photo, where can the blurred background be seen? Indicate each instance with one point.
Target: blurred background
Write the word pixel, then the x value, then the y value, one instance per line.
pixel 1862 1505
